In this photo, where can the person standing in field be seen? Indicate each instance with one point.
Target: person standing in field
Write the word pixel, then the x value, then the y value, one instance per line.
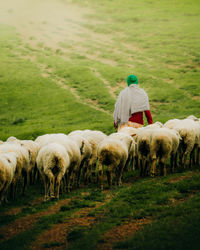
pixel 131 103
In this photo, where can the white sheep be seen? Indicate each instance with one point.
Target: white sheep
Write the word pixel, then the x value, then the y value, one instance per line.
pixel 52 162
pixel 94 137
pixel 113 153
pixel 197 143
pixel 143 140
pixel 154 125
pixel 72 148
pixel 22 157
pixel 171 123
pixel 164 142
pixel 86 153
pixel 187 129
pixel 192 117
pixel 8 164
pixel 32 148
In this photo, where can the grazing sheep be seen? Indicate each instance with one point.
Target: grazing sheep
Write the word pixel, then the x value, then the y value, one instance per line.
pixel 164 142
pixel 133 132
pixel 129 130
pixel 94 137
pixel 113 153
pixel 72 148
pixel 32 148
pixel 197 143
pixel 192 117
pixel 129 124
pixel 52 162
pixel 154 125
pixel 8 164
pixel 22 157
pixel 188 132
pixel 143 140
pixel 195 155
pixel 86 153
pixel 171 123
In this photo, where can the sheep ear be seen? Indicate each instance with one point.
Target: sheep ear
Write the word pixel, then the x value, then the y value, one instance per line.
pixel 133 135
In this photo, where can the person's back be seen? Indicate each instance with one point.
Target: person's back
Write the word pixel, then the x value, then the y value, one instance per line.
pixel 131 103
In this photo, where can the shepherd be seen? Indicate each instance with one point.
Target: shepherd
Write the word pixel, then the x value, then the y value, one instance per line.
pixel 130 105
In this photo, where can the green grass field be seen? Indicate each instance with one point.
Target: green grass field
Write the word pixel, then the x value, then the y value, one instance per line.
pixel 62 65
pixel 72 81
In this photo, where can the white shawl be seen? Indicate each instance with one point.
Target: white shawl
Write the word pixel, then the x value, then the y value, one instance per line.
pixel 132 99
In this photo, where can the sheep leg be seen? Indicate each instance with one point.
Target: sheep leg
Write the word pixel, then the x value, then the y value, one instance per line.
pixel 141 167
pixel 13 188
pixel 132 163
pixel 184 160
pixel 136 162
pixel 79 172
pixel 180 158
pixel 192 157
pixel 69 178
pixel 3 192
pixel 119 174
pixel 153 167
pixel 58 181
pixel 25 175
pixel 35 174
pixel 109 178
pixel 46 187
pixel 197 157
pixel 175 161
pixel 29 177
pixel 87 174
pixel 93 171
pixel 172 158
pixel 128 163
pixel 163 170
pixel 101 175
pixel 1 196
pixel 145 167
pixel 51 178
pixel 67 185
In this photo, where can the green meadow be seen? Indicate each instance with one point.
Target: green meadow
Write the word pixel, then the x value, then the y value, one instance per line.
pixel 62 66
pixel 73 82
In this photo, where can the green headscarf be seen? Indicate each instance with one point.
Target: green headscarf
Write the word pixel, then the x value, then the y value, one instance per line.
pixel 132 80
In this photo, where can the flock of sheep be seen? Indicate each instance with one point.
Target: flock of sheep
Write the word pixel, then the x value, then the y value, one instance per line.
pixel 63 160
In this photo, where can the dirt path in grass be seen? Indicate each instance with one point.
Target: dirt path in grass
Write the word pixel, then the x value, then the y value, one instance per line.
pixel 24 223
pixel 55 24
pixel 17 210
pixel 57 234
pixel 183 177
pixel 48 22
pixel 122 232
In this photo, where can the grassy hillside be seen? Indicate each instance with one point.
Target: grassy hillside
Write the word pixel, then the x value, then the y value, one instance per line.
pixel 68 77
pixel 62 65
